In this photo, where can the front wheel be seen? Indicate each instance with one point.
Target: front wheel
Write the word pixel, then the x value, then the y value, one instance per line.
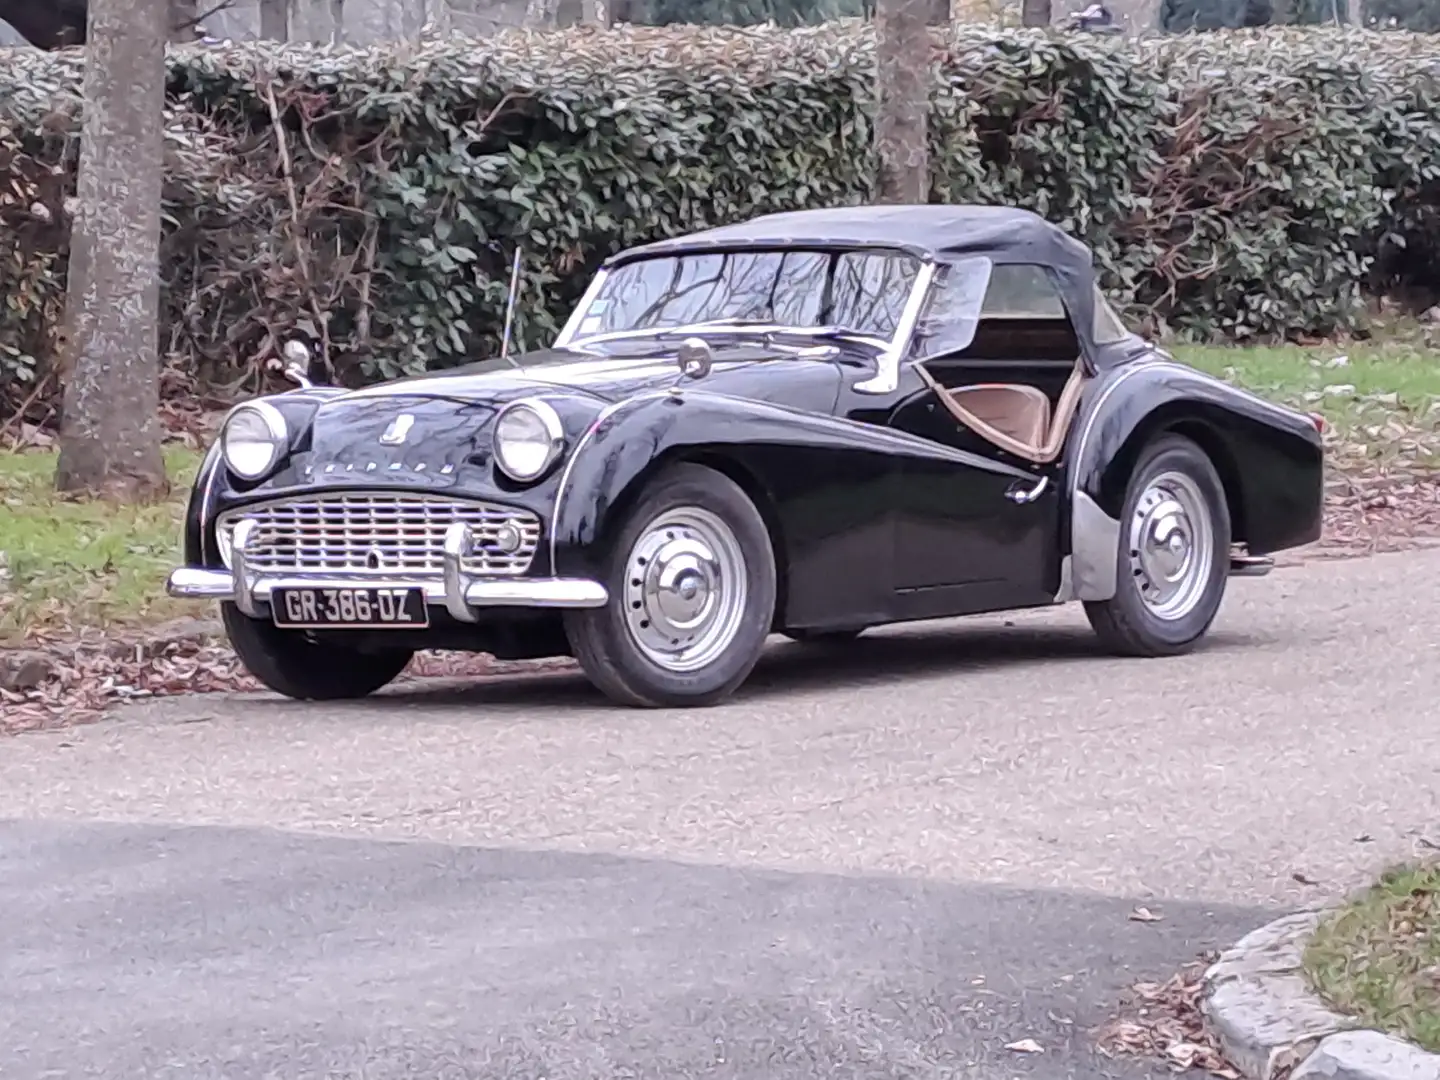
pixel 293 664
pixel 1174 556
pixel 692 595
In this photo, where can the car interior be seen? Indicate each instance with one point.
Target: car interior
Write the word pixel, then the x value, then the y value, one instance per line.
pixel 1017 384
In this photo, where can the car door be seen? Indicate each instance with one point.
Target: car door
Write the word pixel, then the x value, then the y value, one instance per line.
pixel 983 533
pixel 972 532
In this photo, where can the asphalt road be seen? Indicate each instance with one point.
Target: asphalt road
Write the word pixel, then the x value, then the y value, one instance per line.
pixel 890 861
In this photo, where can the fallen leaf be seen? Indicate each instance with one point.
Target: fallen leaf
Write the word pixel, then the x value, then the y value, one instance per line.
pixel 1302 879
pixel 1144 914
pixel 1164 1021
pixel 1025 1046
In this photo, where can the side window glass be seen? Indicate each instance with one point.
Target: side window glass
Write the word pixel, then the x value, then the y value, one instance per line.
pixel 1021 291
pixel 1108 326
pixel 953 310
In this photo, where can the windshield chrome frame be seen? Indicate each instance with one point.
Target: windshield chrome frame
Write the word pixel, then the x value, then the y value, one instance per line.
pixel 887 362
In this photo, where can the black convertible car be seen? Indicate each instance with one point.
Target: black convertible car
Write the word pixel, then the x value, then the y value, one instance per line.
pixel 811 423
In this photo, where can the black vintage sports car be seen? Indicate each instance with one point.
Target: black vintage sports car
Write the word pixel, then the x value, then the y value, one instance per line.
pixel 811 423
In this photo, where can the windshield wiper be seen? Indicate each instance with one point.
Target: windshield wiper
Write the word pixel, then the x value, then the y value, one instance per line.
pixel 841 333
pixel 765 328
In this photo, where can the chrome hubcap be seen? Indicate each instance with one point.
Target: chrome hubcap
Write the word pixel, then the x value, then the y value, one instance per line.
pixel 685 589
pixel 1172 545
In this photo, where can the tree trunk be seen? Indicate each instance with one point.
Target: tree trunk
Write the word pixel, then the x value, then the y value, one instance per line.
pixel 1035 12
pixel 902 71
pixel 275 20
pixel 110 430
pixel 183 16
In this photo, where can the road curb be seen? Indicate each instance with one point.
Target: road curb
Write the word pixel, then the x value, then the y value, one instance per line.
pixel 1271 1025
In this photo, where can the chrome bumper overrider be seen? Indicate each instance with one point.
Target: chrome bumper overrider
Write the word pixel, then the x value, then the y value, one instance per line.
pixel 459 594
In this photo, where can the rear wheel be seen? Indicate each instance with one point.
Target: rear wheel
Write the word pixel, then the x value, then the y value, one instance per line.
pixel 291 663
pixel 1174 554
pixel 692 593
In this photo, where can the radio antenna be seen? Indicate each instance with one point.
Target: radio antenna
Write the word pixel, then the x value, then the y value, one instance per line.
pixel 510 308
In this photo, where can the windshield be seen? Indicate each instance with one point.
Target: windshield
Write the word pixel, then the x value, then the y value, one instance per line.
pixel 862 292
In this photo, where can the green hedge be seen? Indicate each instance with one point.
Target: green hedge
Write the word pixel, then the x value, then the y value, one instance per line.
pixel 1233 185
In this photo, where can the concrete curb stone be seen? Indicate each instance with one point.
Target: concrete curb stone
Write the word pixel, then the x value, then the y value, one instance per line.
pixel 1271 1025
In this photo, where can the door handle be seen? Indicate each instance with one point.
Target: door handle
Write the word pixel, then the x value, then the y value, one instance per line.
pixel 1019 493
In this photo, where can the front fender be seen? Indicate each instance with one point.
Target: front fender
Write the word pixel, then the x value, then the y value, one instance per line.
pixel 1270 459
pixel 198 511
pixel 631 438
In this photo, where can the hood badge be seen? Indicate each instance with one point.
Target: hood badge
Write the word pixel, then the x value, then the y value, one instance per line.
pixel 395 434
pixel 371 466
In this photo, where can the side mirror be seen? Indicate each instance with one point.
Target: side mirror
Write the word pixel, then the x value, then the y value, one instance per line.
pixel 695 357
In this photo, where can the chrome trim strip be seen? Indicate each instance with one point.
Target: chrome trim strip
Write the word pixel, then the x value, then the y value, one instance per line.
pixel 196 583
pixel 887 365
pixel 217 452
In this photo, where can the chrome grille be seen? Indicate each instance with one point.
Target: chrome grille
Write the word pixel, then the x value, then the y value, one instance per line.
pixel 379 534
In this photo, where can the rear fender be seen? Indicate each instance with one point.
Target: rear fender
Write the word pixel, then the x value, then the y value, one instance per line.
pixel 1270 459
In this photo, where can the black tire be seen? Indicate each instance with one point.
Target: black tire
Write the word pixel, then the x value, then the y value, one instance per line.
pixel 602 638
pixel 1126 624
pixel 290 663
pixel 823 637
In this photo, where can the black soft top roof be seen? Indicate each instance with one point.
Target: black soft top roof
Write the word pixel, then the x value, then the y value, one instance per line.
pixel 933 231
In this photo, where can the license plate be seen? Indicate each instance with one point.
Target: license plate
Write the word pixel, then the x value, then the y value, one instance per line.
pixel 371 609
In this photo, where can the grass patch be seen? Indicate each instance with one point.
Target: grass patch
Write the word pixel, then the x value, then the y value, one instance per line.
pixel 1383 399
pixel 1378 958
pixel 71 564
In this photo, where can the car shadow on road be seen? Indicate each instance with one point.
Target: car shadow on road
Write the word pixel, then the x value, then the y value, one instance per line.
pixel 252 952
pixel 790 667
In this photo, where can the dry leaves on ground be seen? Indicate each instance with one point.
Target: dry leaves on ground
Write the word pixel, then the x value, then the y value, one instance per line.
pixel 1164 1021
pixel 86 680
pixel 1379 509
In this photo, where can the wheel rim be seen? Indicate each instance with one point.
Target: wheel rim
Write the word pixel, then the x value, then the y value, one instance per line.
pixel 685 589
pixel 1172 545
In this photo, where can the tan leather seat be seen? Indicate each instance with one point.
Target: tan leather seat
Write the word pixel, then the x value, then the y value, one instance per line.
pixel 1021 412
pixel 1015 417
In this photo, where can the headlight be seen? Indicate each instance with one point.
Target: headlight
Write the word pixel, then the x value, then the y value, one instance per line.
pixel 528 439
pixel 253 439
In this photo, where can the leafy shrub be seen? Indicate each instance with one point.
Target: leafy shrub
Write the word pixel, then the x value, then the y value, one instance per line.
pixel 1239 185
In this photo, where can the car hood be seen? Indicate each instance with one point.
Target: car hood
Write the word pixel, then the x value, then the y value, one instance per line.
pixel 805 378
pixel 447 419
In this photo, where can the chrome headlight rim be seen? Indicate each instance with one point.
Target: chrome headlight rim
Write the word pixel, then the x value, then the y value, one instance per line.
pixel 275 426
pixel 554 430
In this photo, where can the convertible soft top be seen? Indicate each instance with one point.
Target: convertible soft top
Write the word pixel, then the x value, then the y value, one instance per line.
pixel 932 231
pixel 938 232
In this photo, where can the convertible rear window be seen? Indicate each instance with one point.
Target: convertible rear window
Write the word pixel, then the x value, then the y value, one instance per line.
pixel 862 291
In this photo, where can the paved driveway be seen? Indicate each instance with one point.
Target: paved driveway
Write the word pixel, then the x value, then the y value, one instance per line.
pixel 886 865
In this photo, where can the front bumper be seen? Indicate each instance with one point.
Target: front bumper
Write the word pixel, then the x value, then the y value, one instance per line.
pixel 457 592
